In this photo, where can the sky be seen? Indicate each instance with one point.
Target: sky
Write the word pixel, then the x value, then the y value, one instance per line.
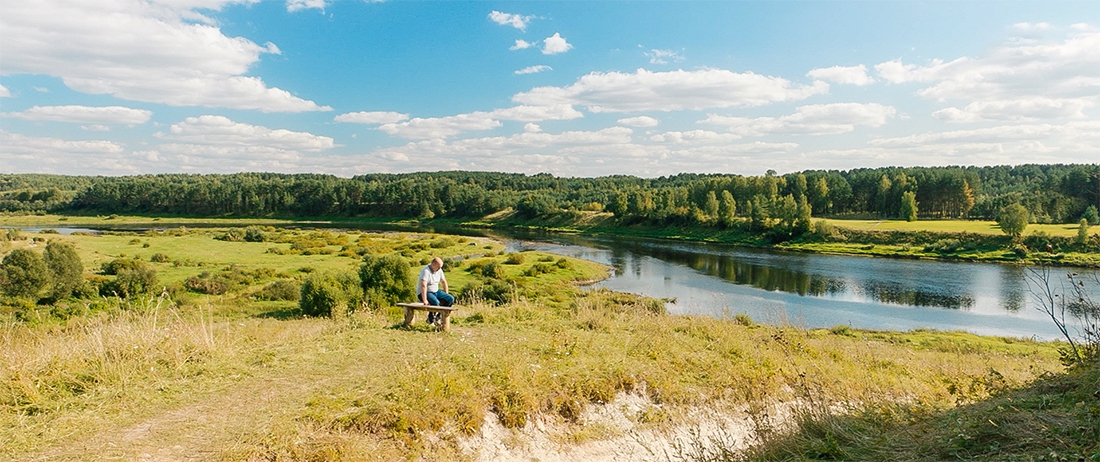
pixel 572 88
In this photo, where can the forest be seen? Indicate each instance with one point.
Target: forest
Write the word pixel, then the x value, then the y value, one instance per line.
pixel 1050 193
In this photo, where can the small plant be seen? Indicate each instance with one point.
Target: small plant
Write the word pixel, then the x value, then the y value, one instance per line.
pixel 493 270
pixel 514 258
pixel 160 258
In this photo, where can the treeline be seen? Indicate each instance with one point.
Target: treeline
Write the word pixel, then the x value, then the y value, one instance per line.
pixel 1050 193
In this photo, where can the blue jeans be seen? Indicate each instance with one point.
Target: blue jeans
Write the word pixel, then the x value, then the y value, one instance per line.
pixel 438 298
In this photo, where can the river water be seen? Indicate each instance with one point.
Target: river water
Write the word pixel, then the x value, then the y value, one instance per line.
pixel 803 289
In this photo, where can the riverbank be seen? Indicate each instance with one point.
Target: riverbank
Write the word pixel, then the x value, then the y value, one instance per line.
pixel 943 240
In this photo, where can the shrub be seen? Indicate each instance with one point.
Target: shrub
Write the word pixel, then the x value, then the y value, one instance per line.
pixel 514 258
pixel 206 283
pixel 441 243
pixel 385 280
pixel 563 263
pixel 283 289
pixel 944 246
pixel 539 268
pixel 66 270
pixel 254 234
pixel 23 274
pixel 119 265
pixel 328 294
pixel 160 258
pixel 233 235
pixel 493 270
pixel 493 290
pixel 135 280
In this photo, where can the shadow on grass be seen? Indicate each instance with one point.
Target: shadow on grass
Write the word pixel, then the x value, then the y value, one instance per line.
pixel 281 314
pixel 1054 418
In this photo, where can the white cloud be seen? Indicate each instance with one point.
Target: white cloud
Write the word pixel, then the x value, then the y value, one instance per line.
pixel 671 91
pixel 508 19
pixel 1029 27
pixel 663 56
pixel 115 115
pixel 144 51
pixel 818 119
pixel 534 69
pixel 23 153
pixel 4 93
pixel 296 5
pixel 521 45
pixel 852 75
pixel 1020 82
pixel 375 117
pixel 440 127
pixel 555 44
pixel 694 137
pixel 210 133
pixel 446 127
pixel 640 121
pixel 531 127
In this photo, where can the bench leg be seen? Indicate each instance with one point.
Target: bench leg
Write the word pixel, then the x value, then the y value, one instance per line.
pixel 409 315
pixel 446 321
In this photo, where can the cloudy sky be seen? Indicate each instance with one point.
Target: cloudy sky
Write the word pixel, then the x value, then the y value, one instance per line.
pixel 573 88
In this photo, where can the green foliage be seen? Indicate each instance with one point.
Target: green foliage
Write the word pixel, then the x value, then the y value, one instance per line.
pixel 1013 219
pixel 514 258
pixel 1083 232
pixel 233 235
pixel 119 265
pixel 909 206
pixel 66 270
pixel 160 258
pixel 134 279
pixel 254 234
pixel 1091 215
pixel 329 294
pixel 493 270
pixel 282 289
pixel 386 280
pixel 23 274
pixel 207 283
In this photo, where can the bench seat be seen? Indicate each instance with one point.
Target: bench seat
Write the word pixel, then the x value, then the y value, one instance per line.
pixel 444 311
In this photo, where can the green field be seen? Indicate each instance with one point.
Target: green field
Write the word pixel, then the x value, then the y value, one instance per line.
pixel 232 377
pixel 954 226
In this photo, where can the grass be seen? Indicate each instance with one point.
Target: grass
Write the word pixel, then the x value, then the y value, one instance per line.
pixel 951 226
pixel 231 378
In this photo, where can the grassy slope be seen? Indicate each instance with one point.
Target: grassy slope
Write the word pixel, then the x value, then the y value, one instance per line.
pixel 233 379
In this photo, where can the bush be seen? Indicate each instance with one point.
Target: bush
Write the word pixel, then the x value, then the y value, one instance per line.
pixel 493 270
pixel 441 243
pixel 66 270
pixel 563 263
pixel 1013 219
pixel 514 258
pixel 160 258
pixel 385 280
pixel 233 235
pixel 129 282
pixel 205 283
pixel 494 290
pixel 23 274
pixel 539 268
pixel 120 265
pixel 254 234
pixel 283 289
pixel 944 246
pixel 329 294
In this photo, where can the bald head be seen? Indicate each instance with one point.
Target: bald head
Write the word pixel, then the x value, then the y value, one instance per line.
pixel 436 264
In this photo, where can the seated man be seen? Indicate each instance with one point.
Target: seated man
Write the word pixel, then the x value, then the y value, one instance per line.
pixel 428 291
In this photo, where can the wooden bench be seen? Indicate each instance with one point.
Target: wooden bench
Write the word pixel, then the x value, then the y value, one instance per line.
pixel 444 312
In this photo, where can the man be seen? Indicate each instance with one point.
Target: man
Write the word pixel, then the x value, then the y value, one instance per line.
pixel 428 291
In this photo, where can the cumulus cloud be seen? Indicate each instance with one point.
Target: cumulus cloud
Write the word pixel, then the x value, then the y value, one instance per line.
pixel 555 44
pixel 534 69
pixel 671 91
pixel 1030 27
pixel 375 117
pixel 54 155
pixel 508 19
pixel 640 121
pixel 446 127
pixel 210 133
pixel 165 53
pixel 296 5
pixel 1018 82
pixel 662 56
pixel 521 45
pixel 851 75
pixel 694 137
pixel 4 93
pixel 115 115
pixel 817 119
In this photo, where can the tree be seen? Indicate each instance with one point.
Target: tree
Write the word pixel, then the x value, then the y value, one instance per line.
pixel 23 274
pixel 1013 219
pixel 711 205
pixel 909 205
pixel 66 270
pixel 727 209
pixel 327 294
pixel 802 224
pixel 1091 215
pixel 1082 231
pixel 385 280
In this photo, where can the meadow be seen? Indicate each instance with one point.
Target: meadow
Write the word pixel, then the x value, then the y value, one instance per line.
pixel 177 374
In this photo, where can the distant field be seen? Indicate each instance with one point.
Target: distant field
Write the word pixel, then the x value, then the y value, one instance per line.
pixel 952 226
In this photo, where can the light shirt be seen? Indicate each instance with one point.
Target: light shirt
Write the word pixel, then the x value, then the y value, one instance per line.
pixel 433 279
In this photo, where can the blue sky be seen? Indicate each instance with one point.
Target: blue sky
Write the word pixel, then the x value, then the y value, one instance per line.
pixel 574 88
